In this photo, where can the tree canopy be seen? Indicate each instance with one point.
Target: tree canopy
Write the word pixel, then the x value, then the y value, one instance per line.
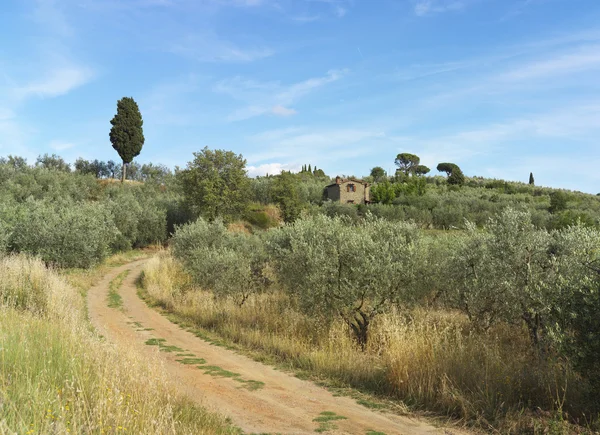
pixel 455 174
pixel 407 162
pixel 378 173
pixel 215 184
pixel 126 134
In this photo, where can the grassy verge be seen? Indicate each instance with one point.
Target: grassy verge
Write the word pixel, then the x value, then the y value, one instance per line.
pixel 114 298
pixel 56 376
pixel 428 361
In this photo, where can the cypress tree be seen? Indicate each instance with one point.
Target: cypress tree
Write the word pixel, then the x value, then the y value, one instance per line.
pixel 309 168
pixel 531 180
pixel 126 134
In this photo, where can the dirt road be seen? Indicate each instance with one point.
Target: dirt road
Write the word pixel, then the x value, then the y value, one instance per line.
pixel 257 398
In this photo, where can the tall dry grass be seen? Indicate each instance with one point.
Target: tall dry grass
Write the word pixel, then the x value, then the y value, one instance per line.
pixel 431 360
pixel 56 376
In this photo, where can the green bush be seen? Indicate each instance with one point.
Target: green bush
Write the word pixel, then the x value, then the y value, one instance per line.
pixel 64 234
pixel 198 234
pixel 4 238
pixel 334 267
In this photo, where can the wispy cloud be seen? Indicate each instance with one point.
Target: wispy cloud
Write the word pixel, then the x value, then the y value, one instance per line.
pixel 55 82
pixel 428 7
pixel 208 47
pixel 303 144
pixel 283 111
pixel 575 124
pixel 272 169
pixel 59 145
pixel 583 59
pixel 270 97
pixel 338 7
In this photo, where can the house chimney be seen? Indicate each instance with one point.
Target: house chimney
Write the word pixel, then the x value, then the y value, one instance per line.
pixel 338 180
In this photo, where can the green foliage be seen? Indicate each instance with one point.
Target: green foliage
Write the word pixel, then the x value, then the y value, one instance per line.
pixel 558 201
pixel 67 235
pixel 378 173
pixel 446 167
pixel 548 281
pixel 383 193
pixel 407 163
pixel 285 194
pixel 230 264
pixel 258 217
pixel 455 174
pixel 74 209
pixel 568 218
pixel 576 313
pixel 4 238
pixel 336 268
pixel 215 184
pixel 457 177
pixel 126 134
pixel 421 170
pixel 201 233
pixel 531 179
pixel 52 162
pixel 504 273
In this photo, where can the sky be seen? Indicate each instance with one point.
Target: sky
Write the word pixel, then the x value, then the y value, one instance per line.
pixel 500 87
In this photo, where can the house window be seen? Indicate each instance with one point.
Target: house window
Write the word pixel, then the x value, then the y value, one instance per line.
pixel 350 188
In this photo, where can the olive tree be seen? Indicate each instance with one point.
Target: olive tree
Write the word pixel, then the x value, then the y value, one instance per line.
pixel 505 273
pixel 576 313
pixel 65 234
pixel 229 265
pixel 336 268
pixel 201 233
pixel 236 270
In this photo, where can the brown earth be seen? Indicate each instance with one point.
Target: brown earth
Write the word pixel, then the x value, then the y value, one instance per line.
pixel 284 404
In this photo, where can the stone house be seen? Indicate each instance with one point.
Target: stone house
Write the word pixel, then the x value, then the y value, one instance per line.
pixel 348 191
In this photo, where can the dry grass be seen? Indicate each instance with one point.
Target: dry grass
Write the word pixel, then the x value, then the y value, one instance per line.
pixel 431 360
pixel 56 376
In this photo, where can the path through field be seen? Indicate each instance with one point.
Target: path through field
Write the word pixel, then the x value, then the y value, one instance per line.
pixel 257 397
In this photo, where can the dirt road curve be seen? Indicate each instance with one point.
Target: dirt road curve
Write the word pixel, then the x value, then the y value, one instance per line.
pixel 284 404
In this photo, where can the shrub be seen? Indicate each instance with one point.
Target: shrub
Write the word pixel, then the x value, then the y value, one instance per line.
pixel 65 234
pixel 198 234
pixel 336 268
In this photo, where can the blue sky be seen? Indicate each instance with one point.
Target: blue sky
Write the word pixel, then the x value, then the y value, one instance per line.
pixel 500 87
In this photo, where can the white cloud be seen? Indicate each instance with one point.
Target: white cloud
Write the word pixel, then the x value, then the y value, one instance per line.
pixel 311 144
pixel 56 82
pixel 585 58
pixel 210 48
pixel 59 145
pixel 272 169
pixel 428 7
pixel 577 124
pixel 270 97
pixel 283 111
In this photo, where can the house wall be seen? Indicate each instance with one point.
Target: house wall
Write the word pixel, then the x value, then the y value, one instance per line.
pixel 333 192
pixel 357 197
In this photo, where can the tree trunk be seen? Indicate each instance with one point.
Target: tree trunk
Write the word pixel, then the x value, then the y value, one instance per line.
pixel 534 325
pixel 124 173
pixel 360 328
